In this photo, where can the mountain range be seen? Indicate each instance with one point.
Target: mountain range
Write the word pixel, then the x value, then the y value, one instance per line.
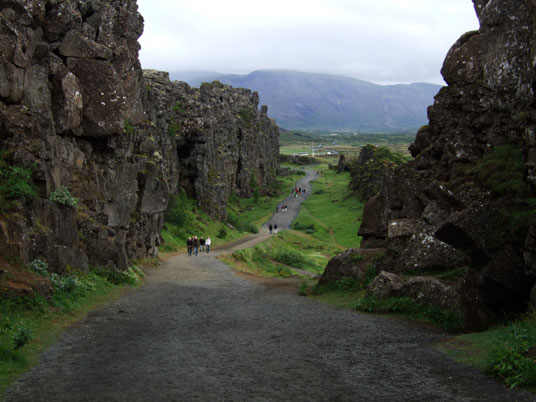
pixel 312 101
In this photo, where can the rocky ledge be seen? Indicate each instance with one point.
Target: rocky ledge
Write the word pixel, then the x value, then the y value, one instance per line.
pixel 464 207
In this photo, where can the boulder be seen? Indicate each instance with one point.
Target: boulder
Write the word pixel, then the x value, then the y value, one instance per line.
pixel 353 263
pixel 386 284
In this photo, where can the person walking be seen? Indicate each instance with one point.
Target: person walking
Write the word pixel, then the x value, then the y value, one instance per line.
pixel 202 244
pixel 275 228
pixel 189 245
pixel 208 242
pixel 271 228
pixel 195 245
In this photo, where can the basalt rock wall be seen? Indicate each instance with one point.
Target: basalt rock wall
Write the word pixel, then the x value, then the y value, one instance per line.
pixel 442 211
pixel 77 111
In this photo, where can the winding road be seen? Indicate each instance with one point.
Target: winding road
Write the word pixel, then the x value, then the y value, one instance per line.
pixel 198 331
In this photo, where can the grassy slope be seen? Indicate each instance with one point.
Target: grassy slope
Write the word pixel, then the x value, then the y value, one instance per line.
pixel 334 211
pixel 334 214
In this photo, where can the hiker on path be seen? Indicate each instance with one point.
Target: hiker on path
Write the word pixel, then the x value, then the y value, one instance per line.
pixel 189 245
pixel 195 245
pixel 208 242
pixel 271 228
pixel 276 209
pixel 275 228
pixel 202 244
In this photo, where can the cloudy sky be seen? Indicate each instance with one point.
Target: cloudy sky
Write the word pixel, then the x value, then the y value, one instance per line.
pixel 383 41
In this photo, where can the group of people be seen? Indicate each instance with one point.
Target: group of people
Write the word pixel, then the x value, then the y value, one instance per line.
pixel 273 228
pixel 195 245
pixel 284 208
pixel 298 191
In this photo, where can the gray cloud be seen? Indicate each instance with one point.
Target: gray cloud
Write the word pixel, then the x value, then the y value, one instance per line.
pixel 383 41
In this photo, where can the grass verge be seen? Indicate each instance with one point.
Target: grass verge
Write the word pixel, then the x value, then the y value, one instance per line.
pixel 28 325
pixel 507 352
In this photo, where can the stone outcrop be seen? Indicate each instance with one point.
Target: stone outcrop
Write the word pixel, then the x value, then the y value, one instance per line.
pixel 353 263
pixel 463 210
pixel 76 110
pixel 224 142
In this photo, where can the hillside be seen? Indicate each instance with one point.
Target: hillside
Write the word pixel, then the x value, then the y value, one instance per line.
pixel 299 100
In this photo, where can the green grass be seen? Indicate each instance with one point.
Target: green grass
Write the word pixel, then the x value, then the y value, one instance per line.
pixel 448 320
pixel 184 218
pixel 333 210
pixel 279 254
pixel 35 322
pixel 506 352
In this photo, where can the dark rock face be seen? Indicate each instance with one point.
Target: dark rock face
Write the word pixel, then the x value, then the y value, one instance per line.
pixel 75 107
pixel 223 141
pixel 458 219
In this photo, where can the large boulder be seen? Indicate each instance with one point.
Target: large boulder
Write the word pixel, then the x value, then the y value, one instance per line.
pixel 353 263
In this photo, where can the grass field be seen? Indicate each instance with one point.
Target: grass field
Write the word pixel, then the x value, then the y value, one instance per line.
pixel 334 212
pixel 326 225
pixel 348 144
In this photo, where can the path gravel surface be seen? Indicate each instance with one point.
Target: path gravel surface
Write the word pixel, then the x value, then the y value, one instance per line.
pixel 198 331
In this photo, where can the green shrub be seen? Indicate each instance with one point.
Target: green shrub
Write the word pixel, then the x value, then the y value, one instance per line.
pixel 448 320
pixel 114 276
pixel 39 267
pixel 22 337
pixel 63 283
pixel 241 224
pixel 222 233
pixel 302 290
pixel 63 196
pixel 128 129
pixel 292 258
pixel 15 184
pixel 309 229
pixel 370 274
pixel 176 210
pixel 173 129
pixel 501 171
pixel 511 360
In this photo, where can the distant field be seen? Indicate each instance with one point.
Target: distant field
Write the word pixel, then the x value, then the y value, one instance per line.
pixel 348 144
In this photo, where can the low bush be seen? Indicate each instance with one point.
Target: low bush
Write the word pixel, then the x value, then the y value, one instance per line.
pixel 241 224
pixel 308 229
pixel 448 320
pixel 22 337
pixel 512 359
pixel 292 258
pixel 63 196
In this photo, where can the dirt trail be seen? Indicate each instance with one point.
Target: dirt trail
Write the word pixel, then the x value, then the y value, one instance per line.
pixel 197 331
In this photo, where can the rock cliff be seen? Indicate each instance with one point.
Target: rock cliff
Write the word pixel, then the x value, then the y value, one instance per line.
pixel 464 202
pixel 77 111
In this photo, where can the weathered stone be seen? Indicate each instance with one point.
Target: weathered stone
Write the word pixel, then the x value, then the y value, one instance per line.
pixel 353 263
pixel 425 252
pixel 386 284
pixel 103 97
pixel 431 291
pixel 74 44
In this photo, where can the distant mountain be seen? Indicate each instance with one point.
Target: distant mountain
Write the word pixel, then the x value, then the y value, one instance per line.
pixel 298 100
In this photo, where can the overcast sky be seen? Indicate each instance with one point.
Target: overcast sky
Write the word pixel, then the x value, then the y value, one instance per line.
pixel 383 41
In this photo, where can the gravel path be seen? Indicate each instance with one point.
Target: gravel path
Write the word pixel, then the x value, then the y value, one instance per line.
pixel 198 331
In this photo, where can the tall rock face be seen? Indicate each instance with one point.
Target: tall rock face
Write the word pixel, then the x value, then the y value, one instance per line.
pixel 225 144
pixel 464 201
pixel 76 110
